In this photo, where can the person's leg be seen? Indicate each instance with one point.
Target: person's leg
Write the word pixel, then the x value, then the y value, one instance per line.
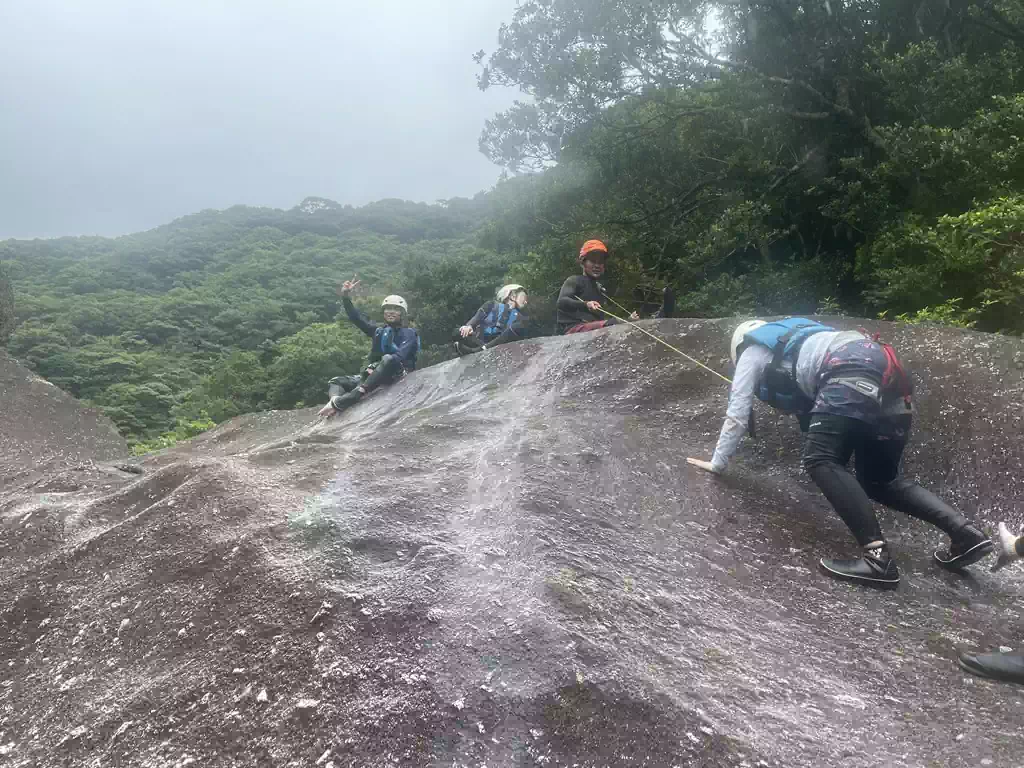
pixel 387 371
pixel 878 466
pixel 467 345
pixel 668 304
pixel 830 442
pixel 343 383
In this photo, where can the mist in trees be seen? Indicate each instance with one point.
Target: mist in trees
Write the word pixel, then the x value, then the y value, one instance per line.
pixel 759 157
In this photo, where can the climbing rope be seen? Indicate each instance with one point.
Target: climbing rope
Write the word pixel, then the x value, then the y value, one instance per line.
pixel 657 338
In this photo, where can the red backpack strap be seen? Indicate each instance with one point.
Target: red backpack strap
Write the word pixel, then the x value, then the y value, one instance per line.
pixel 893 369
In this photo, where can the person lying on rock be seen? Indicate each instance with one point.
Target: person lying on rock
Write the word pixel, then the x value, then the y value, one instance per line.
pixel 1007 667
pixel 496 322
pixel 393 352
pixel 854 398
pixel 579 301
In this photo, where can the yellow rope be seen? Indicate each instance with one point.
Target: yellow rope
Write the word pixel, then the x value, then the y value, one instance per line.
pixel 658 339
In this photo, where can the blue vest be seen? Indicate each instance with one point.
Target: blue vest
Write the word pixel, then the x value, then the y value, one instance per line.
pixel 384 344
pixel 778 387
pixel 493 325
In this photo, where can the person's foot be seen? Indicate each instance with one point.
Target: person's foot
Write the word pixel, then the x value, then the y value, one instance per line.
pixel 1007 667
pixel 341 402
pixel 968 547
pixel 668 303
pixel 1006 547
pixel 874 569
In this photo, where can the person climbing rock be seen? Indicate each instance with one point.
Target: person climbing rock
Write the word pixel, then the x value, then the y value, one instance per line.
pixel 1006 667
pixel 393 352
pixel 496 322
pixel 854 399
pixel 579 301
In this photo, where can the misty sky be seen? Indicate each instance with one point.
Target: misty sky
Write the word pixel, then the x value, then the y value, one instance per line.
pixel 120 115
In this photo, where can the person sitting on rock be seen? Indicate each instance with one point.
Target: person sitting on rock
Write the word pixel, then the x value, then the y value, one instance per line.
pixel 854 398
pixel 496 322
pixel 579 301
pixel 393 352
pixel 1007 667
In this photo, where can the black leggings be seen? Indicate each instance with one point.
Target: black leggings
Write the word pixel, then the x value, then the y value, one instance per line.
pixel 387 371
pixel 832 440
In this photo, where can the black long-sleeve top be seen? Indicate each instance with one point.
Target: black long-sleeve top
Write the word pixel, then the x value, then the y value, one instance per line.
pixel 571 307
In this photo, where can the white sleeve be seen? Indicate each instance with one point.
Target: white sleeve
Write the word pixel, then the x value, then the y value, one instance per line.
pixel 749 369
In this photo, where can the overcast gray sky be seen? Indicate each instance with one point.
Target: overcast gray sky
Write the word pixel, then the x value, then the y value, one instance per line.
pixel 120 115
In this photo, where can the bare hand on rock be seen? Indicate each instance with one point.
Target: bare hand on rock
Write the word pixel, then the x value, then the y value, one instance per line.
pixel 705 465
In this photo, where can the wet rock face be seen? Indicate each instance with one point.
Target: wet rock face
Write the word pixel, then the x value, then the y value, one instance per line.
pixel 504 560
pixel 41 424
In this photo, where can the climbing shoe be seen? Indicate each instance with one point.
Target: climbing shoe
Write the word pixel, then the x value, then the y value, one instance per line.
pixel 967 547
pixel 668 303
pixel 874 569
pixel 1008 667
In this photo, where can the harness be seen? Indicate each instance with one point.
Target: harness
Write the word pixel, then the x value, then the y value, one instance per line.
pixel 778 387
pixel 493 325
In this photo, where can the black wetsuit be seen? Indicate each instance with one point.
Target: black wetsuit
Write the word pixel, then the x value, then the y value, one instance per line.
pixel 845 423
pixel 572 311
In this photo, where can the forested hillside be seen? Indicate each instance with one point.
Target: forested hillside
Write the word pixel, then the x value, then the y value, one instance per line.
pixel 221 313
pixel 775 156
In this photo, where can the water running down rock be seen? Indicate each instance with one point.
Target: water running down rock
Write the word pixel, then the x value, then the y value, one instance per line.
pixel 524 572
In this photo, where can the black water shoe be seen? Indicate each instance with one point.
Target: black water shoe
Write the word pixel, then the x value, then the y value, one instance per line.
pixel 1008 667
pixel 874 569
pixel 966 548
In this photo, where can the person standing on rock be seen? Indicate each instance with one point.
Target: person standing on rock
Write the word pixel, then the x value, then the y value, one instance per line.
pixel 1006 667
pixel 496 322
pixel 579 301
pixel 854 398
pixel 393 352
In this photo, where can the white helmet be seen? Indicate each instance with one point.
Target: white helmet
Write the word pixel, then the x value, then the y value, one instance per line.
pixel 737 336
pixel 395 301
pixel 505 290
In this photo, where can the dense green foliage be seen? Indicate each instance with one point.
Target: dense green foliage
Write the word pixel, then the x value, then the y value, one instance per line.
pixel 774 156
pixel 222 313
pixel 768 155
pixel 6 308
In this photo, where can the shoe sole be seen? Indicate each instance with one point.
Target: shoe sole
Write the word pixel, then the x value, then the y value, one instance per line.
pixel 971 556
pixel 978 672
pixel 876 583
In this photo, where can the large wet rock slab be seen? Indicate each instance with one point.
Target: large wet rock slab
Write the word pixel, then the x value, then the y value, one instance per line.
pixel 504 560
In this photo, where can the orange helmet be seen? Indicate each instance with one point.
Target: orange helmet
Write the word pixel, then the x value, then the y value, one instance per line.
pixel 589 247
